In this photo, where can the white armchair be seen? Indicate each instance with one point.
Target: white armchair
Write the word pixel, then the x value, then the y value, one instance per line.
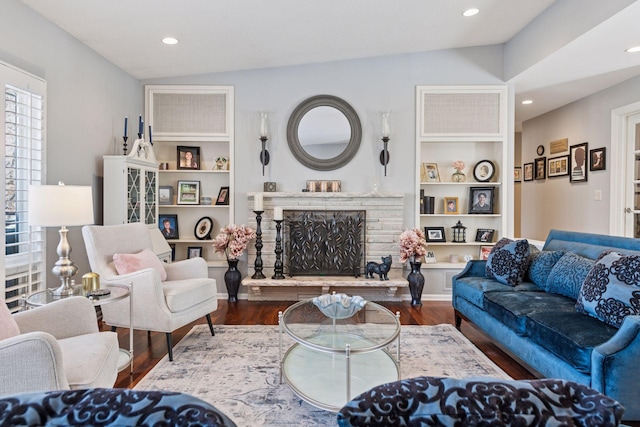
pixel 187 294
pixel 59 347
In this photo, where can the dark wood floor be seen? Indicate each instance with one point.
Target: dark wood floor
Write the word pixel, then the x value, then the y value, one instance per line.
pixel 149 349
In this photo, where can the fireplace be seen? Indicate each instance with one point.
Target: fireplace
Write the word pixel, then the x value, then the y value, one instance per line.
pixel 324 242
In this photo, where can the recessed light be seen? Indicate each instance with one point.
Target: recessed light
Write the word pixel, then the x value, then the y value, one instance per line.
pixel 170 40
pixel 527 102
pixel 470 12
pixel 633 49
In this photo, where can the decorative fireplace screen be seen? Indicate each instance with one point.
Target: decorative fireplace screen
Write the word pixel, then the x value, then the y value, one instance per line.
pixel 324 243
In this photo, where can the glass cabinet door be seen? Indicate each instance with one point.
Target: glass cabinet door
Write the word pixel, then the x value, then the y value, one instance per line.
pixel 133 195
pixel 150 197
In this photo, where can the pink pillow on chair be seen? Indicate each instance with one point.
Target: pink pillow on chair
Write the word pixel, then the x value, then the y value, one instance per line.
pixel 8 326
pixel 130 263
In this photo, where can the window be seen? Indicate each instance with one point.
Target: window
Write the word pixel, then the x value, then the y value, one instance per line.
pixel 24 131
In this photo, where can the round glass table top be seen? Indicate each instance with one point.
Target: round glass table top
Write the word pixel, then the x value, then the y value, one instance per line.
pixel 117 292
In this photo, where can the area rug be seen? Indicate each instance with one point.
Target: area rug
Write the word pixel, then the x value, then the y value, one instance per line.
pixel 238 372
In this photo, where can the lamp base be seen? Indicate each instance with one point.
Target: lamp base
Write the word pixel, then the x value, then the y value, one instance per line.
pixel 62 291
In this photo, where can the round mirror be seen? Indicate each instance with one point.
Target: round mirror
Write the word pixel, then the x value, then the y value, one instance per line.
pixel 324 133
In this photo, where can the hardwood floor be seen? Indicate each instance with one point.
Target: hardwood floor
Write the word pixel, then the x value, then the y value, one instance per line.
pixel 150 348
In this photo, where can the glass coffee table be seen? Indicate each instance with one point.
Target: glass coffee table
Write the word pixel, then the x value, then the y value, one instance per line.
pixel 337 356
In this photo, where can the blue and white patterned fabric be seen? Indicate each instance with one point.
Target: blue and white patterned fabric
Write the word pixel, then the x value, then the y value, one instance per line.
pixel 508 261
pixel 109 407
pixel 540 265
pixel 568 274
pixel 611 290
pixel 442 402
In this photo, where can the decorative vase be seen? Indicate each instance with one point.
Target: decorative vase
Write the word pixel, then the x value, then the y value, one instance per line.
pixel 416 283
pixel 232 278
pixel 458 176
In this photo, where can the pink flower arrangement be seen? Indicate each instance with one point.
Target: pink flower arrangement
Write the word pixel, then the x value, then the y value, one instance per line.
pixel 458 165
pixel 233 240
pixel 412 244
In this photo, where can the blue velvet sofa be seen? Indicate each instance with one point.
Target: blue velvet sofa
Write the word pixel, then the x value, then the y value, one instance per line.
pixel 548 319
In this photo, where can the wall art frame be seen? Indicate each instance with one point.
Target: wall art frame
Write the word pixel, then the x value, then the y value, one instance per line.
pixel 188 193
pixel 481 200
pixel 188 157
pixel 579 168
pixel 168 225
pixel 434 234
pixel 165 195
pixel 558 166
pixel 540 170
pixel 528 171
pixel 598 159
pixel 451 205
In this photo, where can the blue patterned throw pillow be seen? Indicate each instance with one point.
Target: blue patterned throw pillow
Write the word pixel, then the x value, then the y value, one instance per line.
pixel 567 276
pixel 611 290
pixel 508 261
pixel 540 265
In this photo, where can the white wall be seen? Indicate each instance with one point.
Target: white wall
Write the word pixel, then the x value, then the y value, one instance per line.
pixel 555 202
pixel 88 98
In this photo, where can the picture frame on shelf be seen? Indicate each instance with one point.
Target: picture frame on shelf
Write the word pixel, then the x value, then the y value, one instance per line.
pixel 598 159
pixel 578 157
pixel 430 257
pixel 451 205
pixel 429 172
pixel 434 234
pixel 517 174
pixel 528 171
pixel 223 196
pixel 168 225
pixel 194 252
pixel 188 157
pixel 485 235
pixel 558 166
pixel 481 200
pixel 485 251
pixel 540 168
pixel 221 164
pixel 203 228
pixel 165 195
pixel 188 192
pixel 484 170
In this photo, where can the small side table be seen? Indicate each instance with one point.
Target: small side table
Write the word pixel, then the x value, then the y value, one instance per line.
pixel 118 292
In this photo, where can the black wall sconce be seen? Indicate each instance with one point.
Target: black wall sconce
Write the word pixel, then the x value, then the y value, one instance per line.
pixel 384 154
pixel 264 132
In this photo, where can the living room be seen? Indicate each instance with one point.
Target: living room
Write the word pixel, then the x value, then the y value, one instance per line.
pixel 88 97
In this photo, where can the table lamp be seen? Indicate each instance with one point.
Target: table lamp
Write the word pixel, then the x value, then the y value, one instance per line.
pixel 61 206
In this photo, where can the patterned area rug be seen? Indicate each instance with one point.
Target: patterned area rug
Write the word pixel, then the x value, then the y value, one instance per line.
pixel 238 370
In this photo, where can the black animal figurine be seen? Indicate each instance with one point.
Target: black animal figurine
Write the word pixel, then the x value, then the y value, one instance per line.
pixel 380 269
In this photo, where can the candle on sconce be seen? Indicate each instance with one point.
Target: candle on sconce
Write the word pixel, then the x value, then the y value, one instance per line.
pixel 150 138
pixel 140 125
pixel 277 213
pixel 126 126
pixel 258 202
pixel 263 124
pixel 385 124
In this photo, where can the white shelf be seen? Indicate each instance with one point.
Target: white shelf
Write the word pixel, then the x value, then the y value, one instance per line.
pixel 461 244
pixel 193 206
pixel 445 265
pixel 461 215
pixel 466 183
pixel 192 171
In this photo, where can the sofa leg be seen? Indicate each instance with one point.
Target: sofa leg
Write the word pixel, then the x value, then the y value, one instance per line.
pixel 170 346
pixel 458 321
pixel 208 316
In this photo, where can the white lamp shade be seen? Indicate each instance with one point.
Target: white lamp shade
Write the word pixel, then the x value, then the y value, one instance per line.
pixel 60 205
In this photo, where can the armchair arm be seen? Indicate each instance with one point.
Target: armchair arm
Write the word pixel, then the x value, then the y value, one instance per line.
pixel 31 362
pixel 67 317
pixel 187 269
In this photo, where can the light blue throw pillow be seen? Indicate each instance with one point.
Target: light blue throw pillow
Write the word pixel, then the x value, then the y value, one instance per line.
pixel 508 261
pixel 540 265
pixel 567 276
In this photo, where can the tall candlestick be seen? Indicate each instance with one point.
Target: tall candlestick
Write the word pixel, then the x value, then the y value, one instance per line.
pixel 277 213
pixel 126 126
pixel 278 266
pixel 258 263
pixel 150 138
pixel 258 202
pixel 140 126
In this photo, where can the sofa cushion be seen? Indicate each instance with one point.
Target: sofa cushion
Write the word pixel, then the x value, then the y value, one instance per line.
pixel 568 274
pixel 611 290
pixel 184 294
pixel 130 263
pixel 512 308
pixel 474 288
pixel 94 358
pixel 8 326
pixel 540 265
pixel 508 261
pixel 569 335
pixel 433 401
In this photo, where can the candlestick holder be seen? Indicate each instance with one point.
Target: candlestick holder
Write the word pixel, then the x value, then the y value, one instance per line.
pixel 278 267
pixel 124 145
pixel 264 154
pixel 258 264
pixel 140 135
pixel 384 154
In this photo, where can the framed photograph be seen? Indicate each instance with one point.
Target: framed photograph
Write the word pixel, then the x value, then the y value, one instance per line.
pixel 168 225
pixel 528 171
pixel 429 172
pixel 223 196
pixel 481 200
pixel 485 251
pixel 484 170
pixel 188 192
pixel 188 157
pixel 434 234
pixel 203 228
pixel 165 195
pixel 558 166
pixel 221 164
pixel 517 174
pixel 578 159
pixel 541 168
pixel 598 159
pixel 451 205
pixel 430 257
pixel 194 252
pixel 484 235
